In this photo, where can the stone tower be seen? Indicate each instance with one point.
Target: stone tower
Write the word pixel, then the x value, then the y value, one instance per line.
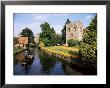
pixel 74 30
pixel 36 39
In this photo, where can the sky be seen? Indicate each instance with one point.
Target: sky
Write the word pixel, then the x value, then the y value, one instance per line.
pixel 57 21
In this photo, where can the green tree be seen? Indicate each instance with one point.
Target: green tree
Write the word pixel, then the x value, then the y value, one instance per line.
pixel 47 34
pixel 93 24
pixel 26 32
pixel 63 31
pixel 88 47
pixel 58 39
pixel 15 40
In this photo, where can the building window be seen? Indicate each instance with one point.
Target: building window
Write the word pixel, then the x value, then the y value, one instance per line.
pixel 69 29
pixel 74 28
pixel 80 29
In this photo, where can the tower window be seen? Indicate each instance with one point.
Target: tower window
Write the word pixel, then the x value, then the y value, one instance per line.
pixel 81 29
pixel 69 29
pixel 74 28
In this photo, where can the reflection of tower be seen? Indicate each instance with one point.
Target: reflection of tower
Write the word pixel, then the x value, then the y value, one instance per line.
pixel 74 30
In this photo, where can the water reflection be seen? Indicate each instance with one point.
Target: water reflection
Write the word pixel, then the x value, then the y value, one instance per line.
pixel 47 64
pixel 23 65
pixel 43 64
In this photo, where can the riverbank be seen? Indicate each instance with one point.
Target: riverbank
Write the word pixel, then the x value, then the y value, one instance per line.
pixel 62 52
pixel 69 54
pixel 18 50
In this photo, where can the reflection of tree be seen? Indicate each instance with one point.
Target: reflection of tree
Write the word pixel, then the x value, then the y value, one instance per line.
pixel 64 67
pixel 48 62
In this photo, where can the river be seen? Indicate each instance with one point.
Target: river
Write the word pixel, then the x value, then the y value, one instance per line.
pixel 43 64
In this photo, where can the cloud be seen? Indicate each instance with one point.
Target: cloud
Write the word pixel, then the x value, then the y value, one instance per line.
pixel 35 27
pixel 57 28
pixel 18 27
pixel 37 19
pixel 89 17
pixel 63 14
pixel 41 17
pixel 44 17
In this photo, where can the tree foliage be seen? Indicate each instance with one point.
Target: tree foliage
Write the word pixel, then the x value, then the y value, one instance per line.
pixel 90 37
pixel 64 31
pixel 73 42
pixel 88 47
pixel 15 40
pixel 26 32
pixel 47 34
pixel 89 54
pixel 58 39
pixel 93 24
pixel 41 44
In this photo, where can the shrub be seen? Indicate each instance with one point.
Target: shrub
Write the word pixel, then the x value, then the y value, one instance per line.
pixel 88 53
pixel 90 37
pixel 41 44
pixel 73 42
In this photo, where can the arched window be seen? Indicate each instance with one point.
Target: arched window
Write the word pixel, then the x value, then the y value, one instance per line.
pixel 74 28
pixel 69 29
pixel 80 29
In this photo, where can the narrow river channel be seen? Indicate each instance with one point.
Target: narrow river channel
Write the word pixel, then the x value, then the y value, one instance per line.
pixel 43 64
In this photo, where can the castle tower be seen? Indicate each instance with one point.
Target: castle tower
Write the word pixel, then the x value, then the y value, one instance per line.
pixel 74 30
pixel 36 39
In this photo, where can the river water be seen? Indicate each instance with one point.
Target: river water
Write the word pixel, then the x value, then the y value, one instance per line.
pixel 43 64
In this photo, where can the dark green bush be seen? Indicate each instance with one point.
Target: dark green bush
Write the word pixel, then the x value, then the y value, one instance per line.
pixel 88 53
pixel 90 37
pixel 73 42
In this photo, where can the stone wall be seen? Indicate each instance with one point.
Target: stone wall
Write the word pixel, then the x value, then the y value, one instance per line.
pixel 74 30
pixel 36 39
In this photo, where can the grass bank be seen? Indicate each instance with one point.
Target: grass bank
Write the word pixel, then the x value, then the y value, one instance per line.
pixel 17 50
pixel 62 51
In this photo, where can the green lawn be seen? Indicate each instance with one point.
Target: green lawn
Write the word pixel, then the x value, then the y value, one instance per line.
pixel 16 50
pixel 64 49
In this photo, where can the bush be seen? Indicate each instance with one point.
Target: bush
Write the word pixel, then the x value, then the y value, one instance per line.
pixel 88 53
pixel 73 42
pixel 90 37
pixel 41 44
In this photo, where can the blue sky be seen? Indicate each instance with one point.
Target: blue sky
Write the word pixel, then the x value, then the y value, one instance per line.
pixel 57 21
